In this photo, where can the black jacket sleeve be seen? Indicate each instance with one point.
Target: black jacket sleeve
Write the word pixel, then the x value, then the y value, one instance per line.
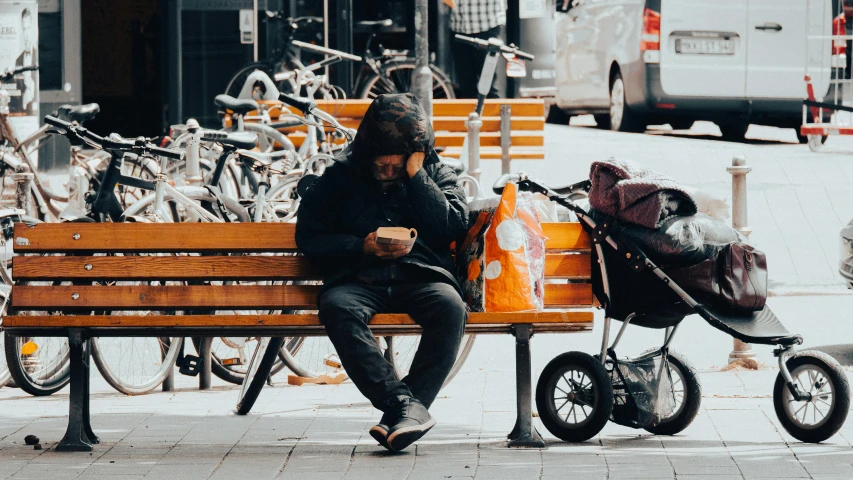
pixel 439 205
pixel 316 232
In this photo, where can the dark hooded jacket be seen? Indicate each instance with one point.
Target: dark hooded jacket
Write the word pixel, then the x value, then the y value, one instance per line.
pixel 346 204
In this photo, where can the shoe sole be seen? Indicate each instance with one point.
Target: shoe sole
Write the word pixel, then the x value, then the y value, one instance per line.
pixel 406 436
pixel 380 435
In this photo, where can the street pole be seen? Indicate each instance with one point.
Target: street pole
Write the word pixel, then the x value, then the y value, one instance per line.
pixel 422 81
pixel 740 222
pixel 255 30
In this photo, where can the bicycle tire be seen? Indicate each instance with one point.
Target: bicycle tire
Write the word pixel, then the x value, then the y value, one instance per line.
pixel 125 386
pixel 235 84
pixel 402 361
pixel 222 371
pixel 256 377
pixel 442 86
pixel 48 383
pixel 5 376
pixel 44 371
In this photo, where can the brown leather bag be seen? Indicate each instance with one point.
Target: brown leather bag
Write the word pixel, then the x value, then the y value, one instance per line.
pixel 736 279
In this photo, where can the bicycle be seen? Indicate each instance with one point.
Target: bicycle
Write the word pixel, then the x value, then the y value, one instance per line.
pixel 105 206
pixel 388 71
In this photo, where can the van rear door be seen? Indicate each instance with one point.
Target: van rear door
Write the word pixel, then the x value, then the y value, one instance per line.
pixel 778 48
pixel 703 50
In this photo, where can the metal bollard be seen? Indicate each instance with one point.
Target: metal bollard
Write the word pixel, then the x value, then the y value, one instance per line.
pixel 474 123
pixel 506 139
pixel 23 179
pixel 740 222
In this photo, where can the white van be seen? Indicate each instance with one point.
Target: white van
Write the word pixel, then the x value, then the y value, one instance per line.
pixel 633 63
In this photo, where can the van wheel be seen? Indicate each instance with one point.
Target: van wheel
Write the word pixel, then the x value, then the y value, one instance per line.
pixel 680 123
pixel 814 141
pixel 622 119
pixel 735 131
pixel 555 115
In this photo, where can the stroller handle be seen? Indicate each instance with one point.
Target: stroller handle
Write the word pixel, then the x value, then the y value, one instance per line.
pixel 530 184
pixel 501 182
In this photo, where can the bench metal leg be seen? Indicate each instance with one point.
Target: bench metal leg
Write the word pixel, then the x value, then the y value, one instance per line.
pixel 524 434
pixel 205 360
pixel 79 436
pixel 169 382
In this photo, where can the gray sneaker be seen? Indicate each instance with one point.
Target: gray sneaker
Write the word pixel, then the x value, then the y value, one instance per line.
pixel 379 432
pixel 414 422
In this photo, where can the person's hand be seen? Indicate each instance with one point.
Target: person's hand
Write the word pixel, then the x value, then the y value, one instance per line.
pixel 415 162
pixel 388 252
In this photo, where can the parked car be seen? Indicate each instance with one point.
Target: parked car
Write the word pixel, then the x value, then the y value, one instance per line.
pixel 633 63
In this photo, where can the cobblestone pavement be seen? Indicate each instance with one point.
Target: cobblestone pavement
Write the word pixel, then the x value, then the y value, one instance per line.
pixel 319 432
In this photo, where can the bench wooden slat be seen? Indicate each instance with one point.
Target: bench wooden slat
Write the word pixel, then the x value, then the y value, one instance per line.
pixel 221 297
pixel 490 124
pixel 451 124
pixel 155 238
pixel 135 267
pixel 457 139
pixel 494 153
pixel 204 237
pixel 287 320
pixel 355 108
pixel 566 236
pixel 492 139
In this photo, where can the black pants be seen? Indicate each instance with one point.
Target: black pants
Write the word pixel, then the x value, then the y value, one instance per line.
pixel 436 306
pixel 468 63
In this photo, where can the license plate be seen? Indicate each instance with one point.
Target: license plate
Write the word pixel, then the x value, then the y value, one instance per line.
pixel 515 68
pixel 704 46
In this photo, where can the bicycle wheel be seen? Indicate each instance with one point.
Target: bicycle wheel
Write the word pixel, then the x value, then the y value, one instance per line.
pixel 283 199
pixel 5 376
pixel 230 357
pixel 404 347
pixel 135 365
pixel 235 85
pixel 397 78
pixel 38 365
pixel 258 372
pixel 308 356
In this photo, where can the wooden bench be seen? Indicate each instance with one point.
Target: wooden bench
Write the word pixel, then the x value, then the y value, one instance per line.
pixel 527 125
pixel 231 251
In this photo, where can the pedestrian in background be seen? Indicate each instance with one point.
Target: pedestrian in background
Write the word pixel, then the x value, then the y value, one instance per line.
pixel 480 19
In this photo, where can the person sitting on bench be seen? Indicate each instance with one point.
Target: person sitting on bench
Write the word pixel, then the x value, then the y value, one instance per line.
pixel 389 176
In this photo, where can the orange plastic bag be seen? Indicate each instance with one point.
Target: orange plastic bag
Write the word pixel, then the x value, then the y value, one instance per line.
pixel 502 261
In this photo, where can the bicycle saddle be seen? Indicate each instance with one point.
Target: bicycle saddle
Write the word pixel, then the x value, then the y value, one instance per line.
pixel 236 105
pixel 241 140
pixel 454 163
pixel 78 113
pixel 263 158
pixel 375 23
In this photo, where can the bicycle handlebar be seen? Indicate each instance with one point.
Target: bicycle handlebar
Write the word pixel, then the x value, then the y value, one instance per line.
pixel 309 107
pixel 214 136
pixel 112 142
pixel 327 51
pixel 496 44
pixel 501 182
pixel 8 74
pixel 305 106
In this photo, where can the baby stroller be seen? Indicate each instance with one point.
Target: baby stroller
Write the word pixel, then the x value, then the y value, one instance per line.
pixel 659 391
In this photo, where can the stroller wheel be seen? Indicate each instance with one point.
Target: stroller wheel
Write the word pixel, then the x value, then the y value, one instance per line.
pixel 574 397
pixel 820 417
pixel 687 396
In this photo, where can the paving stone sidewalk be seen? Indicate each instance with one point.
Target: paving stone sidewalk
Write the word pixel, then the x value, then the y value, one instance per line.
pixel 319 432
